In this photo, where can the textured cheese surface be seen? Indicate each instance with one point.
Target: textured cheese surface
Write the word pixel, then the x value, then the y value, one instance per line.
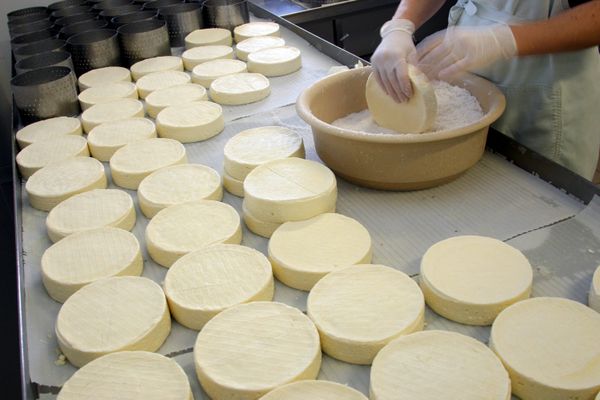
pixel 174 96
pixel 44 152
pixel 202 54
pixel 434 365
pixel 109 137
pixel 89 210
pixel 316 390
pixel 302 252
pixel 191 122
pixel 237 89
pixel 128 375
pixel 110 315
pixel 550 347
pixel 207 72
pixel 160 80
pixel 232 185
pixel 103 76
pixel 470 279
pixel 253 29
pixel 107 93
pixel 245 47
pixel 594 296
pixel 178 184
pixel 205 282
pixel 183 228
pixel 60 180
pixel 253 147
pixel 156 64
pixel 48 129
pixel 113 111
pixel 250 349
pixel 209 36
pixel 359 309
pixel 275 61
pixel 133 162
pixel 87 256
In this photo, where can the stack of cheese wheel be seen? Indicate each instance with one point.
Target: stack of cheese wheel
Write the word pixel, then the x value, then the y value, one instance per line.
pixel 253 147
pixel 289 189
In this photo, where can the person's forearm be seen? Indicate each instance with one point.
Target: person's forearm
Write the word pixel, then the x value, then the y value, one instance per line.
pixel 418 11
pixel 575 29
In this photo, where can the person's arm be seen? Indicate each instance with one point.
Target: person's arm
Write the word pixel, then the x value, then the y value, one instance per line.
pixel 418 11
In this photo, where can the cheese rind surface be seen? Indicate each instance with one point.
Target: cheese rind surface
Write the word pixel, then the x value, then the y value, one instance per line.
pixel 48 129
pixel 208 37
pixel 156 64
pixel 113 111
pixel 205 73
pixel 275 61
pixel 254 29
pixel 461 367
pixel 174 96
pixel 191 122
pixel 238 89
pixel 322 390
pixel 245 47
pixel 105 139
pixel 550 347
pixel 249 350
pixel 44 152
pixel 103 76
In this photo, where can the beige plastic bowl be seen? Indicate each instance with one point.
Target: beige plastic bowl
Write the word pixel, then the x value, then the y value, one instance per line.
pixel 393 162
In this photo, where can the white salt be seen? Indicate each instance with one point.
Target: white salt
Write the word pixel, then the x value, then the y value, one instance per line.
pixel 456 107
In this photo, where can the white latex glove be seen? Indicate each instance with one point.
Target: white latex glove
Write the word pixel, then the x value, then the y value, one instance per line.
pixel 390 64
pixel 449 53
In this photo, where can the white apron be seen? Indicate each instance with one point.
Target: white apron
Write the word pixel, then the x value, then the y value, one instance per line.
pixel 553 101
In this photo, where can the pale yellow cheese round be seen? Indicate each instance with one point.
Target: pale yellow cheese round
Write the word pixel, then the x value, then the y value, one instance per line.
pixel 48 151
pixel 156 64
pixel 275 61
pixel 190 122
pixel 60 180
pixel 113 111
pixel 178 184
pixel 112 315
pixel 202 54
pixel 257 226
pixel 550 348
pixel 174 96
pixel 438 365
pixel 91 210
pixel 204 74
pixel 250 349
pixel 103 76
pixel 135 161
pixel 245 47
pixel 594 295
pixel 253 29
pixel 48 129
pixel 107 93
pixel 128 375
pixel 232 185
pixel 205 282
pixel 321 390
pixel 238 89
pixel 160 80
pixel 87 256
pixel 208 37
pixel 108 137
pixel 361 308
pixel 183 228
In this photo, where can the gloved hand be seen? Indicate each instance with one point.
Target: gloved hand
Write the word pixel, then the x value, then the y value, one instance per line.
pixel 448 53
pixel 390 64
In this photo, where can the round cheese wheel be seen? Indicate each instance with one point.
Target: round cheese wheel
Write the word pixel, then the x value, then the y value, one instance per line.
pixel 245 47
pixel 183 228
pixel 103 76
pixel 156 64
pixel 113 111
pixel 413 116
pixel 48 129
pixel 322 390
pixel 289 189
pixel 178 184
pixel 208 37
pixel 238 89
pixel 253 147
pixel 202 54
pixel 128 375
pixel 250 349
pixel 303 252
pixel 205 282
pixel 275 61
pixel 44 152
pixel 111 315
pixel 85 257
pixel 135 161
pixel 90 210
pixel 257 226
pixel 204 74
pixel 594 295
pixel 361 308
pixel 108 137
pixel 160 80
pixel 107 93
pixel 191 122
pixel 461 367
pixel 174 96
pixel 550 348
pixel 253 29
pixel 232 185
pixel 60 180
pixel 471 279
